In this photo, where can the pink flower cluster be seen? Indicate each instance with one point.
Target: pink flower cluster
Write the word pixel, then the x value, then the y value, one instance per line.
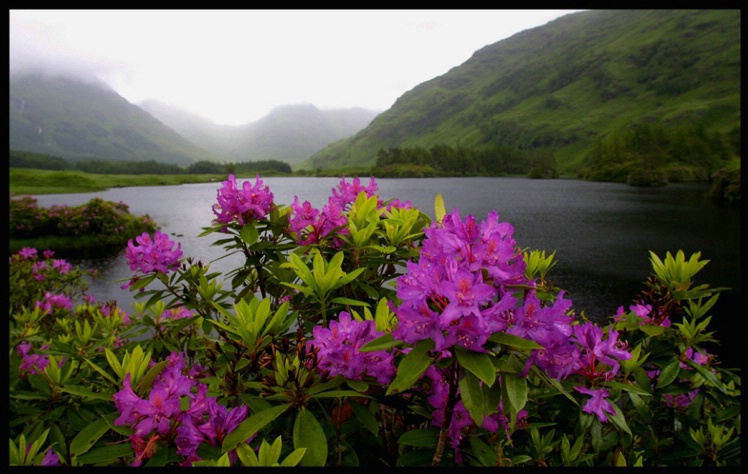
pixel 445 295
pixel 242 204
pixel 52 302
pixel 161 419
pixel 33 363
pixel 339 352
pixel 155 254
pixel 459 293
pixel 310 225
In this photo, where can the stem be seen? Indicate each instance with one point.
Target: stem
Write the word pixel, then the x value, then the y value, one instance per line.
pixel 448 409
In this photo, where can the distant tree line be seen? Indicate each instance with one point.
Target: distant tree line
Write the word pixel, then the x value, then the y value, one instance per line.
pixel 444 160
pixel 23 159
pixel 649 154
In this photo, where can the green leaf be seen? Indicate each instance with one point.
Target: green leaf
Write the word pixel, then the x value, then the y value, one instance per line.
pixel 366 417
pixel 88 436
pixel 349 301
pixel 514 394
pixel 307 433
pixel 514 342
pixel 422 437
pixel 382 343
pixel 105 454
pixel 439 209
pixel 101 371
pixel 479 364
pixel 249 234
pixel 247 455
pixel 412 367
pixel 631 388
pixel 708 375
pixel 147 381
pixel 85 392
pixel 619 420
pixel 668 374
pixel 651 330
pixel 472 397
pixel 294 458
pixel 252 425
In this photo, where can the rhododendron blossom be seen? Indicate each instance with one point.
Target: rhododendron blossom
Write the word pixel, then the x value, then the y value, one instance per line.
pixel 339 352
pixel 250 202
pixel 155 254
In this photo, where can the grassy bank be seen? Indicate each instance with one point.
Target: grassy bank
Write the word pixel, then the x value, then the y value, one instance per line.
pixel 31 182
pixel 24 181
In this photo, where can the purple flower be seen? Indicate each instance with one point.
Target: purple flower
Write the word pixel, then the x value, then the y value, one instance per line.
pixel 52 302
pixel 157 254
pixel 62 266
pixel 466 293
pixel 51 458
pixel 111 309
pixel 178 313
pixel 243 205
pixel 446 293
pixel 346 193
pixel 598 357
pixel 598 403
pixel 189 438
pixel 27 253
pixel 339 350
pixel 31 363
pixel 311 226
pixel 125 401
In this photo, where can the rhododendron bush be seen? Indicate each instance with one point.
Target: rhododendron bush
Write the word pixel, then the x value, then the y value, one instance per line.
pixel 362 334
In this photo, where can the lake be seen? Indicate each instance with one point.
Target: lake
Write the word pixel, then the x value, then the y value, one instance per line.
pixel 601 232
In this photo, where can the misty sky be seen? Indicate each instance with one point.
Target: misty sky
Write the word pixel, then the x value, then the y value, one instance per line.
pixel 234 66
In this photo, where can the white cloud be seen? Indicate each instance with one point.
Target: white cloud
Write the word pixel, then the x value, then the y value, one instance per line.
pixel 234 66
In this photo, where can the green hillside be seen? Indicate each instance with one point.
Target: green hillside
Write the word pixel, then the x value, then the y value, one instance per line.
pixel 72 119
pixel 562 86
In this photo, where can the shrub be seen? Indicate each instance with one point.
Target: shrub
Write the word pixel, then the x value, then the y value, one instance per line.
pixel 365 334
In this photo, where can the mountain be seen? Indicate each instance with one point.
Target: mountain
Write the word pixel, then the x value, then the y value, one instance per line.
pixel 78 119
pixel 71 118
pixel 561 86
pixel 290 133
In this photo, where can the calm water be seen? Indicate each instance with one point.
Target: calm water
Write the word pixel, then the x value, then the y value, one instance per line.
pixel 601 232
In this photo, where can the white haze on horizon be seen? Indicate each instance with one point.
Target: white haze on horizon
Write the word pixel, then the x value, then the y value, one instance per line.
pixel 235 66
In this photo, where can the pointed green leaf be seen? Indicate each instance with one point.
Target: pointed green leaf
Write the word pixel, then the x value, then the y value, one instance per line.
pixel 619 420
pixel 472 397
pixel 249 234
pixel 477 363
pixel 366 417
pixel 412 367
pixel 252 425
pixel 439 209
pixel 88 436
pixel 294 458
pixel 514 394
pixel 382 343
pixel 668 374
pixel 247 455
pixel 420 437
pixel 307 433
pixel 514 342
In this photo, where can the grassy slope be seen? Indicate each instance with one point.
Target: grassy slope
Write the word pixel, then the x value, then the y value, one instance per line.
pixel 563 84
pixel 29 181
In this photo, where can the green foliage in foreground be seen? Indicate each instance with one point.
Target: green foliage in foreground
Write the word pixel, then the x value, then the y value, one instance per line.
pixel 245 339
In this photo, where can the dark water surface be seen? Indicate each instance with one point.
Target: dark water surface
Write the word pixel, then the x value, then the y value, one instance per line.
pixel 601 232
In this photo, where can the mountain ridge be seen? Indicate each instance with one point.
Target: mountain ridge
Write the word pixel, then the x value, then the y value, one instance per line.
pixel 562 85
pixel 77 118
